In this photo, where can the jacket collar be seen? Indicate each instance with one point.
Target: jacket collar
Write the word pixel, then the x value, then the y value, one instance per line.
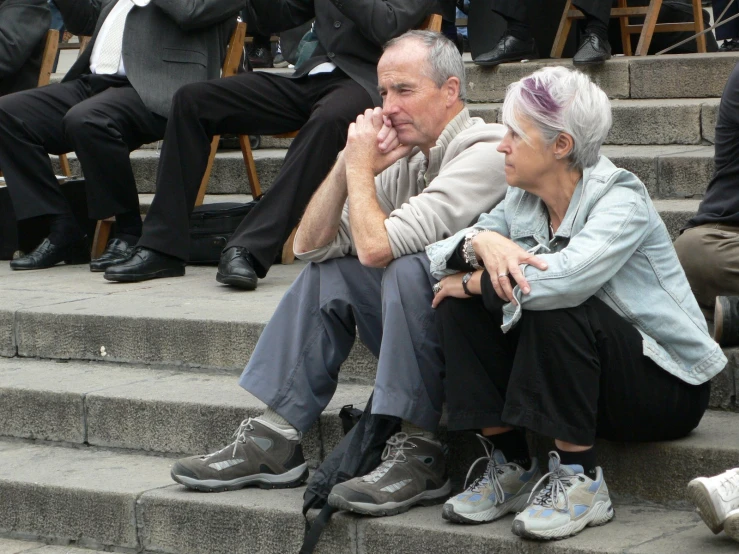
pixel 531 218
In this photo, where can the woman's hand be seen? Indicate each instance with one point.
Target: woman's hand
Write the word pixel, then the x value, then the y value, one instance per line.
pixel 502 257
pixel 449 286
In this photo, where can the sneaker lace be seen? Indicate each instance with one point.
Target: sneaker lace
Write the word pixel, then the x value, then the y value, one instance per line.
pixel 490 475
pixel 391 455
pixel 730 484
pixel 559 482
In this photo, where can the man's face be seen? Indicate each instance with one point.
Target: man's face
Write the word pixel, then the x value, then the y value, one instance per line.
pixel 412 101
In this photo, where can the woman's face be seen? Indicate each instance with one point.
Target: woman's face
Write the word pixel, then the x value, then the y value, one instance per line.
pixel 527 163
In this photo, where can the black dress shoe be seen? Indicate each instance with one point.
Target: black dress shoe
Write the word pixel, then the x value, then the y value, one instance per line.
pixel 48 255
pixel 592 50
pixel 116 251
pixel 145 264
pixel 236 268
pixel 509 49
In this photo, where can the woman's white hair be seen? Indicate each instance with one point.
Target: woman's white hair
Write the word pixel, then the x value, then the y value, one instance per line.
pixel 560 100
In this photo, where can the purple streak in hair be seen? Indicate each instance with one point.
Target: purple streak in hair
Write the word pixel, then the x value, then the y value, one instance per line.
pixel 537 96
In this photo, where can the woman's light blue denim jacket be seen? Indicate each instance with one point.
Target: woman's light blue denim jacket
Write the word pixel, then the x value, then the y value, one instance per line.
pixel 611 244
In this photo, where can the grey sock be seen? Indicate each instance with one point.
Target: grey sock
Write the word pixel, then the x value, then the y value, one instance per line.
pixel 411 429
pixel 276 419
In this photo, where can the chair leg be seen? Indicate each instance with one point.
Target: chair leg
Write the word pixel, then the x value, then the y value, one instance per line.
pixel 251 168
pixel 208 169
pixel 650 20
pixel 625 35
pixel 64 163
pixel 562 32
pixel 288 254
pixel 698 18
pixel 102 234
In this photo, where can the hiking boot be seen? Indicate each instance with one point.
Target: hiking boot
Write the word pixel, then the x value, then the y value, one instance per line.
pixel 568 503
pixel 413 471
pixel 726 320
pixel 715 497
pixel 729 45
pixel 262 456
pixel 731 525
pixel 504 488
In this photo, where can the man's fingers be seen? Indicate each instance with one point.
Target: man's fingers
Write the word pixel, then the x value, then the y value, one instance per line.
pixel 495 280
pixel 538 263
pixel 377 121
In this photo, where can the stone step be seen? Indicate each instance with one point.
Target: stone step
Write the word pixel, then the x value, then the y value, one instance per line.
pixel 668 76
pixel 13 546
pixel 668 171
pixel 191 323
pixel 138 408
pixel 180 413
pixel 103 499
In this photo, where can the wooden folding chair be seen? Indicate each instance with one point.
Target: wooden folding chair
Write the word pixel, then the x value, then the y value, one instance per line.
pixel 230 67
pixel 645 30
pixel 431 23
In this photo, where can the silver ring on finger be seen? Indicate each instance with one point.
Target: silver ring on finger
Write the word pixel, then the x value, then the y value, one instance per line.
pixel 501 275
pixel 437 287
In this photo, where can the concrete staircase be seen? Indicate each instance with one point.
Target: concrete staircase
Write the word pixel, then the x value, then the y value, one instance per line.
pixel 103 385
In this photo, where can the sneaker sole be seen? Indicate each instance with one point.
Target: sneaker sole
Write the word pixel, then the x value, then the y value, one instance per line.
pixel 293 478
pixel 426 498
pixel 486 516
pixel 701 499
pixel 600 514
pixel 731 527
pixel 138 277
pixel 235 281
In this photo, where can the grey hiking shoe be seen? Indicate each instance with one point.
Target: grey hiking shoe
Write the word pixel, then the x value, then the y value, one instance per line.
pixel 413 471
pixel 260 456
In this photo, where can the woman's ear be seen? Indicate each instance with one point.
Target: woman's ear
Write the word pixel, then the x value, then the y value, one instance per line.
pixel 563 145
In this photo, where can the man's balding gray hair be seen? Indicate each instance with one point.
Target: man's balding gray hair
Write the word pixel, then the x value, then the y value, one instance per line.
pixel 443 60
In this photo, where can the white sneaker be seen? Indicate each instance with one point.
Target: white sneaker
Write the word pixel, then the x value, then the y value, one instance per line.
pixel 502 489
pixel 570 502
pixel 715 497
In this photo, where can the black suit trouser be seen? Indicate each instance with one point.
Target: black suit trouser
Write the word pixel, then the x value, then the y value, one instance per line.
pixel 516 9
pixel 321 106
pixel 100 117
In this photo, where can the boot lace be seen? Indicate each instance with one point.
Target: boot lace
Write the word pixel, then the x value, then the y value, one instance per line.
pixel 394 453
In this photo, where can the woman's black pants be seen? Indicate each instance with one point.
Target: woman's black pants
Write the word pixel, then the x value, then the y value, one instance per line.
pixel 572 374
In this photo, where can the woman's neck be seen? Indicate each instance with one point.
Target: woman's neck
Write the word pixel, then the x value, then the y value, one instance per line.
pixel 558 193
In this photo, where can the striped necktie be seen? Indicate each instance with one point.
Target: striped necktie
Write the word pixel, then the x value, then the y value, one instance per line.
pixel 112 47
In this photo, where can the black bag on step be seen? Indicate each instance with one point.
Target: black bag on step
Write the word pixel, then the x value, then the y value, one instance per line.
pixel 358 453
pixel 211 226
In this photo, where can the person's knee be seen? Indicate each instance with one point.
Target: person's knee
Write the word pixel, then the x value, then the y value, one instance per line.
pixel 187 99
pixel 81 119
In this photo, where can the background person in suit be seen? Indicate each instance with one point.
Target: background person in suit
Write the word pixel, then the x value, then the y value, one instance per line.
pixel 23 27
pixel 322 97
pixel 115 98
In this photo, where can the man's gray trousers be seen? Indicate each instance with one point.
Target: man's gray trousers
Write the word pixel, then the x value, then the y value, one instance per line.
pixel 295 366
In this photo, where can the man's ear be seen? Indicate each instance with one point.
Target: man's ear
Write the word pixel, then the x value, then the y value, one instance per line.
pixel 451 87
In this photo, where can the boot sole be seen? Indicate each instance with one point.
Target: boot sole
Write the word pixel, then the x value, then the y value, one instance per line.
pixel 293 478
pixel 136 277
pixel 601 514
pixel 236 281
pixel 533 56
pixel 731 527
pixel 426 498
pixel 701 499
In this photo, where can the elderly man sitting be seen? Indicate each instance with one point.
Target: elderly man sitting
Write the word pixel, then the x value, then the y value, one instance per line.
pixel 413 172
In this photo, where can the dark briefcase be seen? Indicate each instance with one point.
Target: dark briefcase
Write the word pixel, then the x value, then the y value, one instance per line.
pixel 211 226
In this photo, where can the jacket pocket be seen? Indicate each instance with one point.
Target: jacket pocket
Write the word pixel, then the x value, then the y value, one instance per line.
pixel 177 55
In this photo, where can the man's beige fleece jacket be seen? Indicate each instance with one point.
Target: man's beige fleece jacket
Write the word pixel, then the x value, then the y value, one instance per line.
pixel 430 200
